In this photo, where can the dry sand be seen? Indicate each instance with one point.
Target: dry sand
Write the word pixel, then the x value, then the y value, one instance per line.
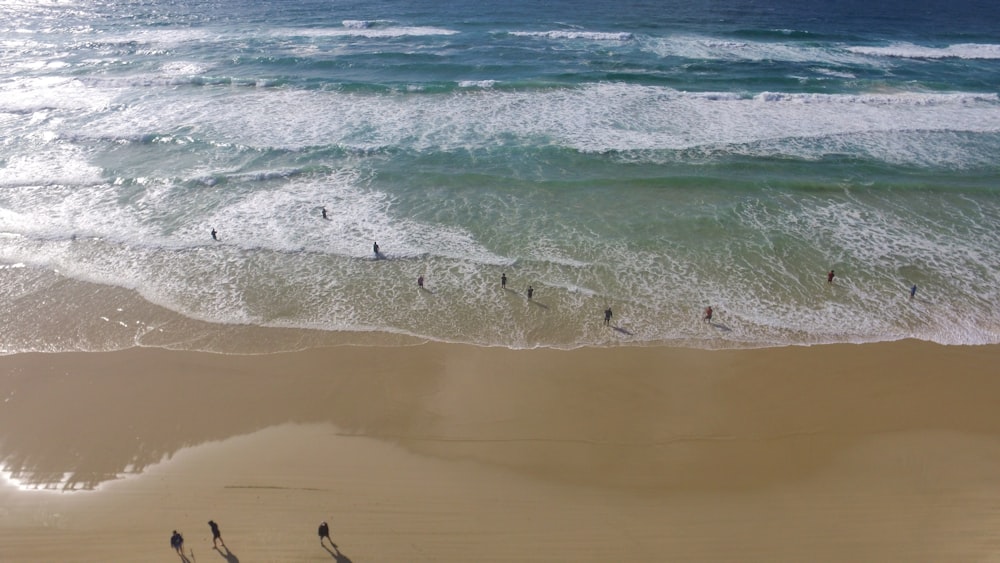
pixel 434 452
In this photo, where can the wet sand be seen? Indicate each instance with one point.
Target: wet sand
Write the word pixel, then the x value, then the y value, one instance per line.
pixel 439 452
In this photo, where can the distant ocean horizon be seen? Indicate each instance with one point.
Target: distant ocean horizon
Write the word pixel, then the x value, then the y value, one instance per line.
pixel 651 158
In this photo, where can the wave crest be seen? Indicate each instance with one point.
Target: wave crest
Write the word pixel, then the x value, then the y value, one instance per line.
pixel 972 51
pixel 587 35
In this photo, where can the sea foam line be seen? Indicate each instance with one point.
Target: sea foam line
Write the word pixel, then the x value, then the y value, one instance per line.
pixel 911 51
pixel 596 118
pixel 587 35
pixel 364 31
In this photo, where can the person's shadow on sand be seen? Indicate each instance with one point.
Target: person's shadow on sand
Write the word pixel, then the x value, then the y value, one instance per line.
pixel 337 555
pixel 719 326
pixel 228 555
pixel 621 330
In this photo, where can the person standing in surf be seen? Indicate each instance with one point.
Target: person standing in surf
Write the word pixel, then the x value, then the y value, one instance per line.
pixel 503 280
pixel 375 249
pixel 829 277
pixel 607 316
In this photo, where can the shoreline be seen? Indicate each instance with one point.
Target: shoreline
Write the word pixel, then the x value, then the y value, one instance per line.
pixel 443 452
pixel 83 316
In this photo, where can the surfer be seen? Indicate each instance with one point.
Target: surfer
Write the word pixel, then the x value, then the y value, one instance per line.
pixel 607 316
pixel 420 282
pixel 323 211
pixel 214 234
pixel 503 280
pixel 531 291
pixel 829 277
pixel 375 249
pixel 707 317
pixel 913 291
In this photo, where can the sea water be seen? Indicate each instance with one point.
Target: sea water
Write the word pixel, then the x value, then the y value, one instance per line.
pixel 651 157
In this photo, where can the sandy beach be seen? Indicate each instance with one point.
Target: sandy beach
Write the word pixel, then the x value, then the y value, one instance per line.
pixel 440 452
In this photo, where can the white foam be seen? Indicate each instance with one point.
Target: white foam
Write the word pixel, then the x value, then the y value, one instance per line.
pixel 365 24
pixel 41 65
pixel 48 164
pixel 576 35
pixel 363 31
pixel 153 40
pixel 284 219
pixel 702 47
pixel 183 68
pixel 906 127
pixel 477 83
pixel 834 73
pixel 25 95
pixel 971 51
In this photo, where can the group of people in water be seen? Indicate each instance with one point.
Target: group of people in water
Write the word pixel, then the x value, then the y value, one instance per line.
pixel 177 540
pixel 830 275
pixel 706 314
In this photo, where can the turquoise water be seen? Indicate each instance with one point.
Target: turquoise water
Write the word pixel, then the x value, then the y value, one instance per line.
pixel 656 159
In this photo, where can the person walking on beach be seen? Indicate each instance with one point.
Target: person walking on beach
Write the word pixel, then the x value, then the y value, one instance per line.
pixel 503 280
pixel 177 542
pixel 707 317
pixel 531 291
pixel 375 249
pixel 607 316
pixel 215 235
pixel 324 532
pixel 829 277
pixel 913 291
pixel 216 534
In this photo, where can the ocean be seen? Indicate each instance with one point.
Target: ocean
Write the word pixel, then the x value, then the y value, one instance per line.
pixel 651 157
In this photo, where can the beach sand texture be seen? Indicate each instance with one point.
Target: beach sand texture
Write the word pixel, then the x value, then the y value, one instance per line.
pixel 443 452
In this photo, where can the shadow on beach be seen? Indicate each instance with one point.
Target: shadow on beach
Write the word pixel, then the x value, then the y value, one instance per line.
pixel 719 326
pixel 337 555
pixel 228 555
pixel 621 330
